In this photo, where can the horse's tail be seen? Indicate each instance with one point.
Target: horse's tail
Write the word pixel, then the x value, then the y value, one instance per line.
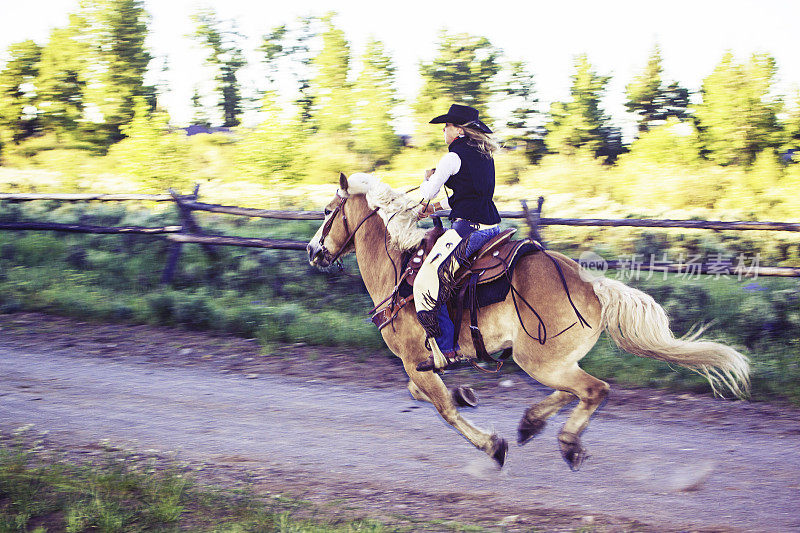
pixel 638 325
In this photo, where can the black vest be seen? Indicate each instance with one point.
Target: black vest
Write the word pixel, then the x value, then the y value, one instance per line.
pixel 472 185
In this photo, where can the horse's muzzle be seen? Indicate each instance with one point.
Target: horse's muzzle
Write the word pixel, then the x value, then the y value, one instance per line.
pixel 318 256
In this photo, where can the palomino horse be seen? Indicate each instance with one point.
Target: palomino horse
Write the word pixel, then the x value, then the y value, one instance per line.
pixel 374 221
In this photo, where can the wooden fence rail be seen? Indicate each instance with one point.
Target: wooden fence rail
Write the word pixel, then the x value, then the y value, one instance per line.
pixel 81 197
pixel 80 228
pixel 280 244
pixel 190 232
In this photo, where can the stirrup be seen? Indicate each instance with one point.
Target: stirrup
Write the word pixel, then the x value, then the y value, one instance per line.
pixel 439 360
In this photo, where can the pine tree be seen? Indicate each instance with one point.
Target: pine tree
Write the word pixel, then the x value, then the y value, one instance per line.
pixel 288 58
pixel 18 118
pixel 652 99
pixel 522 123
pixel 791 126
pixel 116 61
pixel 462 72
pixel 226 57
pixel 330 86
pixel 738 115
pixel 374 99
pixel 61 81
pixel 580 123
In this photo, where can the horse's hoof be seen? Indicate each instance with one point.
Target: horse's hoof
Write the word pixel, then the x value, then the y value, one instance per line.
pixel 529 429
pixel 498 450
pixel 464 397
pixel 572 451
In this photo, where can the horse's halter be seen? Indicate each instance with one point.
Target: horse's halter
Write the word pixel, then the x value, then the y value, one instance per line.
pixel 326 228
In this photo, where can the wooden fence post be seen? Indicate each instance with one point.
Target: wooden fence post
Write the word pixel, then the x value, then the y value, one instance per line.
pixel 188 226
pixel 533 217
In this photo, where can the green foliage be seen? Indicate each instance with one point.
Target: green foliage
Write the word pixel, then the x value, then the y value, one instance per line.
pixel 117 61
pixel 521 128
pixel 332 89
pixel 326 156
pixel 461 72
pixel 272 295
pixel 578 124
pixel 274 151
pixel 17 94
pixel 582 175
pixel 672 143
pixel 118 495
pixel 374 98
pixel 651 99
pixel 662 164
pixel 81 87
pixel 61 81
pixel 154 158
pixel 226 57
pixel 510 166
pixel 82 83
pixel 761 188
pixel 791 127
pixel 738 115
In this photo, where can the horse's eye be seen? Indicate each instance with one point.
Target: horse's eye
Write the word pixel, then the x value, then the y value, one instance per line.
pixel 327 211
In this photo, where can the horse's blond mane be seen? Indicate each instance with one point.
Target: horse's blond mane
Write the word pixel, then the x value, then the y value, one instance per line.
pixel 395 208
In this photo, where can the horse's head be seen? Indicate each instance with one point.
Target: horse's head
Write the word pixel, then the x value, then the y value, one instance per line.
pixel 333 238
pixel 364 195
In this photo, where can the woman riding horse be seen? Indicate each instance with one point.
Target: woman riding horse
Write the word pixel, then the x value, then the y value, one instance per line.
pixel 468 170
pixel 378 224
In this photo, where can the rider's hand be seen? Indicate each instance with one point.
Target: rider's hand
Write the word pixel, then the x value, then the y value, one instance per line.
pixel 429 173
pixel 429 209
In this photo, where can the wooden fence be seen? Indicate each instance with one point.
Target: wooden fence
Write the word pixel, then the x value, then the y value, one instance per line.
pixel 189 231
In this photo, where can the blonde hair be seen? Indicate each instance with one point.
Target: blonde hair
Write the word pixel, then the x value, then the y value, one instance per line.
pixel 485 143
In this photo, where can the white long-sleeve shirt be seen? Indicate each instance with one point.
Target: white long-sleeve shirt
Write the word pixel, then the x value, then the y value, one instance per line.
pixel 448 165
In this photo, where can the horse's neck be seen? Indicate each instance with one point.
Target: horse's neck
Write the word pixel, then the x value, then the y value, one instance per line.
pixel 374 262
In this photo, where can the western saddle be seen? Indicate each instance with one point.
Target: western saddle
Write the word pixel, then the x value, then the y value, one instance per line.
pixel 493 260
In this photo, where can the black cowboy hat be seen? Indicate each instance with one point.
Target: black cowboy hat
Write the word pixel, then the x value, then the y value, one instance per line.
pixel 462 115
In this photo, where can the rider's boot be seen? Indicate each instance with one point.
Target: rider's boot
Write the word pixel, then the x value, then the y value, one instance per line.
pixel 439 360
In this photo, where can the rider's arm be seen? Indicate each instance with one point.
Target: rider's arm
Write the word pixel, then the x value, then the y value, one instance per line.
pixel 448 165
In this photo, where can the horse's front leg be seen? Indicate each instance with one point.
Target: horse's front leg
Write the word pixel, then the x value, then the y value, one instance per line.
pixel 434 390
pixel 463 396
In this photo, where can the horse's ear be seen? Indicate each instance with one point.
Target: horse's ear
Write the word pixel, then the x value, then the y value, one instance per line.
pixel 342 181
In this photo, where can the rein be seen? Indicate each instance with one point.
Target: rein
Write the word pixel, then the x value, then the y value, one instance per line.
pixel 350 234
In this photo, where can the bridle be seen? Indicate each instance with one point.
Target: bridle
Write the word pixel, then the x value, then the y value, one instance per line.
pixel 326 228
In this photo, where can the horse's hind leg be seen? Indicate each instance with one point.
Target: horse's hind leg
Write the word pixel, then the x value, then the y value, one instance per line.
pixel 430 387
pixel 568 382
pixel 591 392
pixel 536 416
pixel 462 395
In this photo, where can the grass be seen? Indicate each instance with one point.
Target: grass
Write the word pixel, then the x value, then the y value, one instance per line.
pixel 42 490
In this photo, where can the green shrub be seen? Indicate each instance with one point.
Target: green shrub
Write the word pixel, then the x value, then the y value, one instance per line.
pixel 196 311
pixel 246 321
pixel 162 307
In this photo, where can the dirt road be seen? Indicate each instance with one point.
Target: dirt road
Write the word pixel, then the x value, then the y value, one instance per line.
pixel 328 432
